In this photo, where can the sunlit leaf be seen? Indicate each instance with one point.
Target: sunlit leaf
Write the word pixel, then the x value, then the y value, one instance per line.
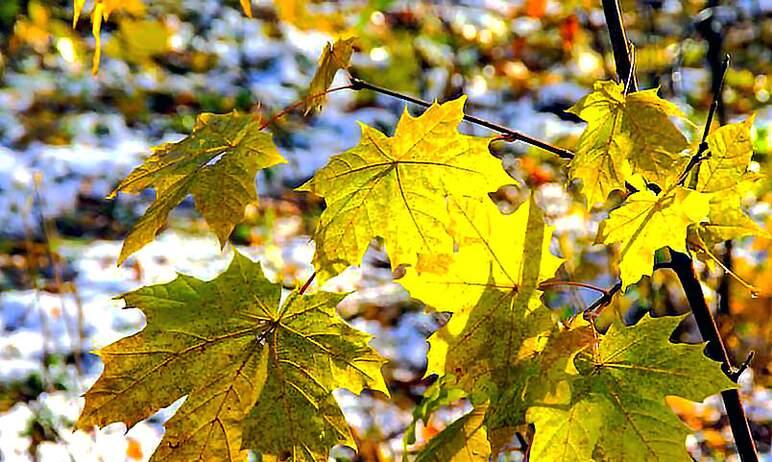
pixel 498 323
pixel 396 188
pixel 625 134
pixel 335 57
pixel 647 222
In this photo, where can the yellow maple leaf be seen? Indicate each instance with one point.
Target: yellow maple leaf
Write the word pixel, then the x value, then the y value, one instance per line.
pixel 498 320
pixel 335 57
pixel 625 134
pixel 727 219
pixel 724 172
pixel 496 246
pixel 729 153
pixel 647 222
pixel 396 188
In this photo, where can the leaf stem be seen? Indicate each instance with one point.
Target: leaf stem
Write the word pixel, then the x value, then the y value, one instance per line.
pixel 307 284
pixel 584 285
pixel 510 134
pixel 301 102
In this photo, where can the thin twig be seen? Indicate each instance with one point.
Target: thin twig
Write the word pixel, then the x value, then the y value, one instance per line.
pixel 699 156
pixel 300 103
pixel 511 135
pixel 584 285
pixel 596 306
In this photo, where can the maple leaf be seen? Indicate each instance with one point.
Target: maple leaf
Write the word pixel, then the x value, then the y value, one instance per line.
pixel 730 150
pixel 464 440
pixel 725 172
pixel 258 374
pixel 396 188
pixel 625 134
pixel 217 164
pixel 498 323
pixel 493 245
pixel 613 405
pixel 647 222
pixel 335 57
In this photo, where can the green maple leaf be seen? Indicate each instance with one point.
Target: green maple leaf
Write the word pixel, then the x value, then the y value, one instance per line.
pixel 258 374
pixel 464 440
pixel 335 57
pixel 498 321
pixel 625 134
pixel 217 164
pixel 647 222
pixel 396 188
pixel 612 406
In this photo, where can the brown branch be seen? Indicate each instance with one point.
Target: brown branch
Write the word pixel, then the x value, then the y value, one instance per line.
pixel 510 134
pixel 682 265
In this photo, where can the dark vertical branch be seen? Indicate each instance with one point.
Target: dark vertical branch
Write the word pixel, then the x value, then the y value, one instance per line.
pixel 682 265
pixel 619 42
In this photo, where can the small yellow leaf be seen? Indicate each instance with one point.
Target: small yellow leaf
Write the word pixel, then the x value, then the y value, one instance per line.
pixel 334 58
pixel 725 174
pixel 646 222
pixel 727 220
pixel 730 150
pixel 625 135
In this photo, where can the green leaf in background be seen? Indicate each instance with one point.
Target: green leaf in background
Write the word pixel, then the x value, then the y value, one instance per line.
pixel 217 164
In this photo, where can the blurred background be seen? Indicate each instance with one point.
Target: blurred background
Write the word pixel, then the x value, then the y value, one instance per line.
pixel 67 138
